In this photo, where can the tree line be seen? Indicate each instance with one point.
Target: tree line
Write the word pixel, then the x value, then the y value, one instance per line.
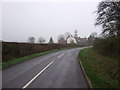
pixel 40 40
pixel 62 39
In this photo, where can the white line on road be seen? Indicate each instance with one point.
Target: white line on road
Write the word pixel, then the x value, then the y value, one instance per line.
pixel 26 85
pixel 60 55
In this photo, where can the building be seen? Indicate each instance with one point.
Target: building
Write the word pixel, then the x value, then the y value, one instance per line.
pixel 71 40
pixel 77 40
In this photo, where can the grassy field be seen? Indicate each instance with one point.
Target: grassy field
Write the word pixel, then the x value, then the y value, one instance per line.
pixel 101 70
pixel 22 59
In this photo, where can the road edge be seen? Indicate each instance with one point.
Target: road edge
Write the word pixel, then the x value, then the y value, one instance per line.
pixel 84 74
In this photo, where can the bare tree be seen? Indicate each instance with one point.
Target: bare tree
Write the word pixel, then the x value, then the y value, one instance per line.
pixel 109 17
pixel 41 40
pixel 61 37
pixel 31 40
pixel 94 34
pixel 67 34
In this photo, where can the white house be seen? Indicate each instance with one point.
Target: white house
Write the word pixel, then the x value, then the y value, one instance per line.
pixel 71 40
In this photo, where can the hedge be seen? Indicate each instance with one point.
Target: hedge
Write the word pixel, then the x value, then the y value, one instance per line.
pixel 11 50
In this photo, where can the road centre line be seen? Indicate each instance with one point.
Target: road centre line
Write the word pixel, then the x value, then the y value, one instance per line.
pixel 26 85
pixel 60 55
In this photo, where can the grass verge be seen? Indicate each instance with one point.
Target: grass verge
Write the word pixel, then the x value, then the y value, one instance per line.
pixel 101 70
pixel 25 58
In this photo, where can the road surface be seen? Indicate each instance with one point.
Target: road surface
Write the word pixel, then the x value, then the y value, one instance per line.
pixel 55 70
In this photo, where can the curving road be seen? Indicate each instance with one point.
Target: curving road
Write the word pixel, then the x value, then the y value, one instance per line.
pixel 55 70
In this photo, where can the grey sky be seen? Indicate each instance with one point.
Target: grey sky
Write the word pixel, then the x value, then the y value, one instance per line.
pixel 22 20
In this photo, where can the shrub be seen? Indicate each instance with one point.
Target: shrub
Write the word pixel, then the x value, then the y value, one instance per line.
pixel 11 50
pixel 108 46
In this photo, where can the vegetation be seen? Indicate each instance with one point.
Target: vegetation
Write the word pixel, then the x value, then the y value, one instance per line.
pixel 41 40
pixel 25 58
pixel 67 34
pixel 31 40
pixel 108 46
pixel 12 50
pixel 109 18
pixel 90 40
pixel 101 70
pixel 21 59
pixel 51 41
pixel 101 61
pixel 61 37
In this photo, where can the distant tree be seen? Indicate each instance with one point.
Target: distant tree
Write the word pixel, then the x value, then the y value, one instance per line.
pixel 109 17
pixel 91 39
pixel 31 40
pixel 51 41
pixel 94 34
pixel 61 37
pixel 67 35
pixel 75 33
pixel 41 40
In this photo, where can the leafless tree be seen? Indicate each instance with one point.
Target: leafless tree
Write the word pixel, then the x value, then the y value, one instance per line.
pixel 31 40
pixel 94 34
pixel 41 40
pixel 67 34
pixel 61 37
pixel 108 16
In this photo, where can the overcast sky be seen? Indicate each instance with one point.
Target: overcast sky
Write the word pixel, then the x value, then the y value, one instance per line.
pixel 22 20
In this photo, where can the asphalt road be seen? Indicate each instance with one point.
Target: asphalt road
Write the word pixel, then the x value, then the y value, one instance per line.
pixel 55 70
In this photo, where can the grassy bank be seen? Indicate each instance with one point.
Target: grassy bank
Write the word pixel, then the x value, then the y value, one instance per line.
pixel 101 70
pixel 25 58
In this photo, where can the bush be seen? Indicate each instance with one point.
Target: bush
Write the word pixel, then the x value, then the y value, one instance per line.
pixel 107 46
pixel 11 50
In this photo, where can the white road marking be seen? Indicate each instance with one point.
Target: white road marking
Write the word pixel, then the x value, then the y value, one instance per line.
pixel 60 55
pixel 26 85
